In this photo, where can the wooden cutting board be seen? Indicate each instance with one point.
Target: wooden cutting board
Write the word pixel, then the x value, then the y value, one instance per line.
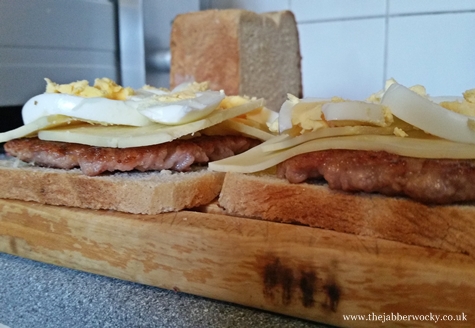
pixel 295 270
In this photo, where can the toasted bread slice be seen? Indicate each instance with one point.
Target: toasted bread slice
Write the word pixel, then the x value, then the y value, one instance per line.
pixel 133 192
pixel 264 196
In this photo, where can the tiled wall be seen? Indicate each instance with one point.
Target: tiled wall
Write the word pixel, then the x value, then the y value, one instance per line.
pixel 350 47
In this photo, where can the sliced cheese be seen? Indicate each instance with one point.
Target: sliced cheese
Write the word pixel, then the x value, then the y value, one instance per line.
pixel 33 127
pixel 247 130
pixel 127 136
pixel 325 133
pixel 231 127
pixel 256 159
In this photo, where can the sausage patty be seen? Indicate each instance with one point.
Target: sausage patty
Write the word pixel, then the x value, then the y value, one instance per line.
pixel 437 181
pixel 177 155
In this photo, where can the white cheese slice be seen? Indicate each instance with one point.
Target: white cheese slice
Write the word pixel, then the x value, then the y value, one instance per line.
pixel 247 130
pixel 96 109
pixel 325 133
pixel 33 127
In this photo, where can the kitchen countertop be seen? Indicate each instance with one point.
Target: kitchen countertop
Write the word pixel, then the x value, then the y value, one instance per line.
pixel 34 294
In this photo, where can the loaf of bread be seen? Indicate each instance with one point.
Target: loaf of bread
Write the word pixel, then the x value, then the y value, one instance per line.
pixel 263 196
pixel 134 192
pixel 238 51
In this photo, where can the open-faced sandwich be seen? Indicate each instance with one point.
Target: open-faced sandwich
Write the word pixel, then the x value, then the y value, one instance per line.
pixel 140 151
pixel 399 165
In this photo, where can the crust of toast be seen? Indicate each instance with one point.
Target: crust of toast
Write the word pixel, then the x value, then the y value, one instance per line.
pixel 266 197
pixel 134 192
pixel 238 51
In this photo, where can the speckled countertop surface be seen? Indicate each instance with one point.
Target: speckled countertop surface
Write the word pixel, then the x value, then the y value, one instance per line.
pixel 34 294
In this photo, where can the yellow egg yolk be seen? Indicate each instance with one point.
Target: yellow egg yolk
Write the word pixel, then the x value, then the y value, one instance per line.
pixel 103 87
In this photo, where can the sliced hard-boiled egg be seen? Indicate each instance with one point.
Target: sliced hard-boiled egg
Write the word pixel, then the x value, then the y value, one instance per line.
pixel 305 113
pixel 285 116
pixel 356 112
pixel 429 116
pixel 107 103
pixel 98 109
pixel 376 97
pixel 172 111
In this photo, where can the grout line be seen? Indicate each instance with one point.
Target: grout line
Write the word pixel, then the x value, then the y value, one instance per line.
pixel 329 20
pixel 434 13
pixel 386 15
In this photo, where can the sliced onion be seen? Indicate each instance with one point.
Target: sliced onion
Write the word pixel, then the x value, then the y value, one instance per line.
pixel 427 115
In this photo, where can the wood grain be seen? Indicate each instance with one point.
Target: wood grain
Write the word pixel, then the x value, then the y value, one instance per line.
pixel 295 270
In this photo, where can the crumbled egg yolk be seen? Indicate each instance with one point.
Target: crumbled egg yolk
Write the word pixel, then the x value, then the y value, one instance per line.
pixel 273 126
pixel 388 116
pixel 399 132
pixel 103 87
pixel 149 87
pixel 188 93
pixel 233 101
pixel 471 124
pixel 308 116
pixel 469 95
pixel 465 107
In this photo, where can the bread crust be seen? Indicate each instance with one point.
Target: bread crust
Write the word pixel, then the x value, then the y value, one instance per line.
pixel 238 51
pixel 135 192
pixel 447 227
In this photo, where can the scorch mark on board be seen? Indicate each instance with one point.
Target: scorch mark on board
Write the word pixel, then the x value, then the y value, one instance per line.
pixel 285 282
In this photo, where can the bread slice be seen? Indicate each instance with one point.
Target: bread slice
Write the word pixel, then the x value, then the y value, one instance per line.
pixel 238 51
pixel 133 192
pixel 447 227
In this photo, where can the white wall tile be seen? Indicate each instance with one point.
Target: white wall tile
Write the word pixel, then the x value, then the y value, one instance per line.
pixel 425 6
pixel 343 58
pixel 433 50
pixel 259 6
pixel 310 10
